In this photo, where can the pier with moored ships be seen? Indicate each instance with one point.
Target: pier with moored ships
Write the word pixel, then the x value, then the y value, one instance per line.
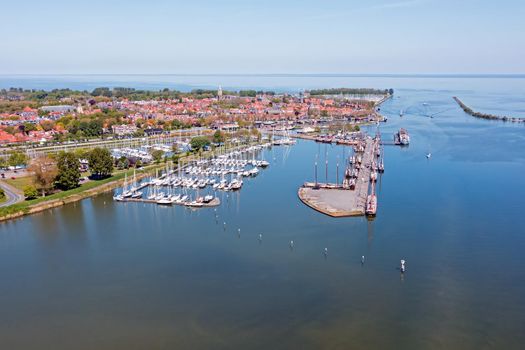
pixel 355 195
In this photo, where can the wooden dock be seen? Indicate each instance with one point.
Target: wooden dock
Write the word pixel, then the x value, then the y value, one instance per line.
pixel 337 201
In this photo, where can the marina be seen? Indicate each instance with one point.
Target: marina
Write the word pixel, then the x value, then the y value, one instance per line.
pixel 196 183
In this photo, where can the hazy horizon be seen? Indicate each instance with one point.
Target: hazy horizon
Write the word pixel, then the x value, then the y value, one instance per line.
pixel 394 75
pixel 271 37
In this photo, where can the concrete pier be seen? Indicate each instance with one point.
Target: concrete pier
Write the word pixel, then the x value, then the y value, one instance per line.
pixel 337 200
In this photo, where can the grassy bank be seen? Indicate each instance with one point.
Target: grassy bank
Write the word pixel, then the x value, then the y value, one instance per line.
pixel 85 190
pixel 19 182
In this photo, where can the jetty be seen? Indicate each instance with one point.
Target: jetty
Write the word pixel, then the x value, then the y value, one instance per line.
pixel 215 202
pixel 473 113
pixel 348 198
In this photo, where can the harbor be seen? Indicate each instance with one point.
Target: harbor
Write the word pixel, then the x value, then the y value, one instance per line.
pixel 197 183
pixel 262 175
pixel 355 195
pixel 177 272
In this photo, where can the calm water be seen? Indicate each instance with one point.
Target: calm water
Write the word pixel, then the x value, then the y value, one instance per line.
pixel 107 275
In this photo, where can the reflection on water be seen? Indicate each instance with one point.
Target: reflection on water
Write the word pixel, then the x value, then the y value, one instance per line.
pixel 105 275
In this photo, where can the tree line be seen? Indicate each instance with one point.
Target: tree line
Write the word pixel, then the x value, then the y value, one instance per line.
pixel 56 95
pixel 351 91
pixel 63 171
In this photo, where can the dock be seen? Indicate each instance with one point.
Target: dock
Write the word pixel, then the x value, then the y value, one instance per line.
pixel 213 203
pixel 344 200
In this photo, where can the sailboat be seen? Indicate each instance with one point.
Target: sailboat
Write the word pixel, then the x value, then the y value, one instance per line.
pixel 126 193
pixel 371 203
pixel 153 195
pixel 135 192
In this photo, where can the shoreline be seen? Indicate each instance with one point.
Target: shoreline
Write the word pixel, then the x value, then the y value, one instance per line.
pixel 74 197
pixel 91 192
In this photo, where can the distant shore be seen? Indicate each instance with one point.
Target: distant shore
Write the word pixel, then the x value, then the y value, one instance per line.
pixel 473 113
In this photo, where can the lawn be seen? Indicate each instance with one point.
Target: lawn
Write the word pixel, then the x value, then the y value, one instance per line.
pixel 19 182
pixel 24 206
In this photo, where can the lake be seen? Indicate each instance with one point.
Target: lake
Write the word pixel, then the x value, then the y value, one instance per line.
pixel 104 275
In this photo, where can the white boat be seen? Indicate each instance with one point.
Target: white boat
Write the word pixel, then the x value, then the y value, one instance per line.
pixel 236 184
pixel 153 195
pixel 194 204
pixel 165 201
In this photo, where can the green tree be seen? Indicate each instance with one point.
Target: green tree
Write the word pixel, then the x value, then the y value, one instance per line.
pixel 257 134
pixel 218 137
pixel 17 158
pixel 247 93
pixel 157 155
pixel 30 192
pixel 138 133
pixel 100 162
pixel 175 159
pixel 122 163
pixel 102 91
pixel 11 130
pixel 68 171
pixel 177 124
pixel 2 194
pixel 28 127
pixel 199 142
pixel 47 125
pixel 44 170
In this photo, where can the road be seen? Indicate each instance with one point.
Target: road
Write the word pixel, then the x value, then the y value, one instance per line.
pixel 13 195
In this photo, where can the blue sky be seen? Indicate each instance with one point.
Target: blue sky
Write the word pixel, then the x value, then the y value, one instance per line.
pixel 265 36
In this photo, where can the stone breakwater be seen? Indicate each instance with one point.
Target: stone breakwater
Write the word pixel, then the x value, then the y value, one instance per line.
pixel 473 113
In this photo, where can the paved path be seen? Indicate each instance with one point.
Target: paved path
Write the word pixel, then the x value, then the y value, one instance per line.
pixel 13 195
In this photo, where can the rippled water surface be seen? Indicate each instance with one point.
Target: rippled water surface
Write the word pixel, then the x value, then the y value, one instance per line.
pixel 105 275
